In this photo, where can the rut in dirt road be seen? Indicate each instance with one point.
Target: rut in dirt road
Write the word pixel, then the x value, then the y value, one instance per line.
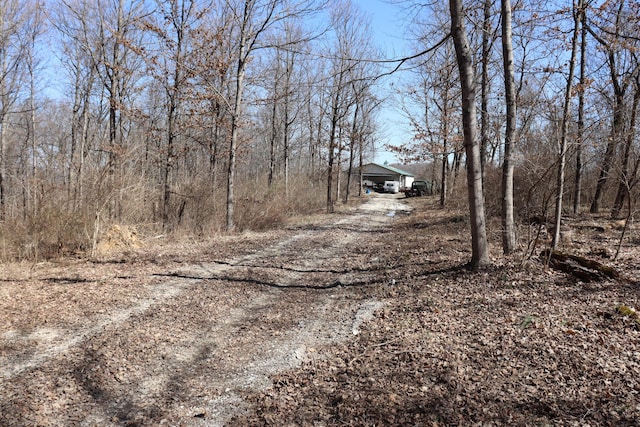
pixel 185 351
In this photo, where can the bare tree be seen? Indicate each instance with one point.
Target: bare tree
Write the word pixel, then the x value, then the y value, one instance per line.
pixel 254 20
pixel 176 24
pixel 508 225
pixel 35 30
pixel 285 108
pixel 70 21
pixel 351 47
pixel 488 38
pixel 621 71
pixel 14 20
pixel 577 189
pixel 627 173
pixel 479 241
pixel 566 116
pixel 432 104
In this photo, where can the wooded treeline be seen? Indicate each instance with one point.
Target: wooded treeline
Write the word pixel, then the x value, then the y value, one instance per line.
pixel 207 115
pixel 195 115
pixel 556 89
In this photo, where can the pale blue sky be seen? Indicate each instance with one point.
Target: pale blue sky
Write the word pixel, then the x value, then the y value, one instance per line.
pixel 390 35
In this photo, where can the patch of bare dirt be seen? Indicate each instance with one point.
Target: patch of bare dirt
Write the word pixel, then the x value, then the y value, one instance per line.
pixel 367 317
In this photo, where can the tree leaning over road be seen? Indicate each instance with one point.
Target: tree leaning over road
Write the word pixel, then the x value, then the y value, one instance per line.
pixel 479 242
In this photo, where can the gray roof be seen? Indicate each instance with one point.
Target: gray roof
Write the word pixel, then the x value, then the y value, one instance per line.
pixel 390 169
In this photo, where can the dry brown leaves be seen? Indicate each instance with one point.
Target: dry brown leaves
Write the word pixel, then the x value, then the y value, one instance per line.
pixel 511 345
pixel 516 344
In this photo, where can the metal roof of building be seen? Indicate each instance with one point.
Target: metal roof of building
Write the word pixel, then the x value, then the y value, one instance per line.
pixel 389 168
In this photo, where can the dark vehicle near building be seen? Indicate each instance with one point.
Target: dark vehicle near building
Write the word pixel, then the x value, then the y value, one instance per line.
pixel 419 188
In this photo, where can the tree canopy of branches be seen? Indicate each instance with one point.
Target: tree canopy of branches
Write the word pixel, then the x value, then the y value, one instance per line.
pixel 211 115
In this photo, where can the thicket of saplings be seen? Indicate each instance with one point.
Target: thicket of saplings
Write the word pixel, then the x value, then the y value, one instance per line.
pixel 54 227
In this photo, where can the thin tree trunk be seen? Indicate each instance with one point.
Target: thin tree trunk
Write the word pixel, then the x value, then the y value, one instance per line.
pixel 3 162
pixel 508 225
pixel 566 112
pixel 444 187
pixel 484 91
pixel 333 141
pixel 237 110
pixel 607 162
pixel 213 145
pixel 3 125
pixel 479 242
pixel 285 142
pixel 32 135
pixel 352 144
pixel 625 178
pixel 617 129
pixel 274 127
pixel 339 164
pixel 577 191
pixel 231 172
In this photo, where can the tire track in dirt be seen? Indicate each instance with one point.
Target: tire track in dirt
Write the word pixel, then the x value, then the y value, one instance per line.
pixel 192 347
pixel 58 345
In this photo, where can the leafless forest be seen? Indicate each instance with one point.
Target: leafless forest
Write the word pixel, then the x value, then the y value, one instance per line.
pixel 183 238
pixel 196 117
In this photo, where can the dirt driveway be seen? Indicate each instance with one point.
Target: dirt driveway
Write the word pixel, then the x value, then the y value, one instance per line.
pixel 179 336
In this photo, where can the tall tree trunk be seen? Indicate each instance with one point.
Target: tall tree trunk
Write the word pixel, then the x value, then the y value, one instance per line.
pixel 3 134
pixel 243 48
pixel 607 161
pixel 577 187
pixel 33 187
pixel 115 77
pixel 566 115
pixel 360 162
pixel 444 188
pixel 352 145
pixel 625 177
pixel 285 142
pixel 619 90
pixel 484 91
pixel 235 118
pixel 274 126
pixel 335 109
pixel 3 162
pixel 214 143
pixel 508 225
pixel 479 242
pixel 168 163
pixel 444 175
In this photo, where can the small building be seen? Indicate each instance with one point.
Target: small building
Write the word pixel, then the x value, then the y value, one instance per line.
pixel 377 174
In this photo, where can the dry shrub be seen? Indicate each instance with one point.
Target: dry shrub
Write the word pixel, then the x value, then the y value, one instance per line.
pixel 270 207
pixel 493 191
pixel 199 209
pixel 49 234
pixel 458 199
